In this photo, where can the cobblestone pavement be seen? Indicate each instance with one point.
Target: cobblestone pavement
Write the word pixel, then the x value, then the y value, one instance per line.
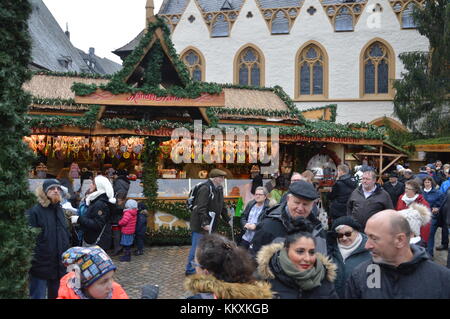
pixel 164 266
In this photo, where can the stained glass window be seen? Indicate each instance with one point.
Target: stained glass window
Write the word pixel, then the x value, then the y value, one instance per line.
pixel 220 27
pixel 407 18
pixel 343 20
pixel 376 69
pixel 249 66
pixel 280 24
pixel 194 64
pixel 311 64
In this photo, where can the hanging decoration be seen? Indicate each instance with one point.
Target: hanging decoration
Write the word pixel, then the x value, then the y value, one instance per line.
pixel 86 148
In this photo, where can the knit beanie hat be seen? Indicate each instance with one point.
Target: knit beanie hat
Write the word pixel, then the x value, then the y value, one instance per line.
pixel 346 220
pixel 92 263
pixel 417 216
pixel 131 204
pixel 49 183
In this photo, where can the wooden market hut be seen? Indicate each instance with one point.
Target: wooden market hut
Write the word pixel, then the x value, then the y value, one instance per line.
pixel 153 94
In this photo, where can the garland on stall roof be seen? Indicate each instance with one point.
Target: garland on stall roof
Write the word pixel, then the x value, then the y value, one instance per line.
pixel 74 75
pixel 88 120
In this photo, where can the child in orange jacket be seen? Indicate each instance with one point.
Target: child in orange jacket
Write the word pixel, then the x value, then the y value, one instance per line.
pixel 90 275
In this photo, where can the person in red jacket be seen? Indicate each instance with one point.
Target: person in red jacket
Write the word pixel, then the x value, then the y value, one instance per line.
pixel 128 224
pixel 412 195
pixel 90 275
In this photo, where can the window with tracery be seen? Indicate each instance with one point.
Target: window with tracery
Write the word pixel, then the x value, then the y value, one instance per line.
pixel 311 68
pixel 376 69
pixel 404 10
pixel 194 64
pixel 249 67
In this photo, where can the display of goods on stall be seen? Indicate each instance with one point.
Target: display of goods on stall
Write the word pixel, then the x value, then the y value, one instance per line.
pixel 168 173
pixel 219 151
pixel 86 148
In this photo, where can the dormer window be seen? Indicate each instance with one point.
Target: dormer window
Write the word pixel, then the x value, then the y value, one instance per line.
pixel 65 61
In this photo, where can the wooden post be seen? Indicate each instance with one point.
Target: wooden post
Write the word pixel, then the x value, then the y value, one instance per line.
pixel 380 180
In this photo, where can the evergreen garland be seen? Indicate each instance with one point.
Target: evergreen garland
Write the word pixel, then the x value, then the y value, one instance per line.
pixel 16 237
pixel 74 75
pixel 152 74
pixel 88 120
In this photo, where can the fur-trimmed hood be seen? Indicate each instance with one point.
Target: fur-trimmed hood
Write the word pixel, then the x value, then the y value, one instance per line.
pixel 225 290
pixel 42 198
pixel 267 252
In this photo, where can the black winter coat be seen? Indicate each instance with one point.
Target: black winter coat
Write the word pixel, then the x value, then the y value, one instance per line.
pixel 141 223
pixel 340 194
pixel 419 278
pixel 209 199
pixel 53 240
pixel 361 208
pixel 283 286
pixel 275 225
pixel 394 191
pixel 96 217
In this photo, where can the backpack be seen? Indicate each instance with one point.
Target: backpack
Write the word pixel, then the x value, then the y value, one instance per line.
pixel 190 202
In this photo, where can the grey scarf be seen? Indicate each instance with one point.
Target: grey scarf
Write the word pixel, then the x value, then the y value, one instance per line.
pixel 306 280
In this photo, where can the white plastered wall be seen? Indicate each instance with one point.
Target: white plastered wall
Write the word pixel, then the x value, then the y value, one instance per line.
pixel 343 49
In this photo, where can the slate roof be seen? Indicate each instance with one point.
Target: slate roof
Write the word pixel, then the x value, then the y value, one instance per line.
pixel 99 65
pixel 52 49
pixel 270 4
pixel 173 6
pixel 328 2
pixel 217 5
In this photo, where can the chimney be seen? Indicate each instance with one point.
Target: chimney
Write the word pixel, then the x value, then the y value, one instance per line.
pixel 91 51
pixel 67 30
pixel 149 12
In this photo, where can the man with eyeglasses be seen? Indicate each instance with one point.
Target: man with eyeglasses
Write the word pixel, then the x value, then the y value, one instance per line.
pixel 368 199
pixel 253 214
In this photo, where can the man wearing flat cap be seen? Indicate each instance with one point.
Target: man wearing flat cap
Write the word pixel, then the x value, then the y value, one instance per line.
pixel 54 239
pixel 287 217
pixel 209 199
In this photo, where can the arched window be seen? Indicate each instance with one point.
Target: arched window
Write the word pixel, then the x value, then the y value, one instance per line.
pixel 312 72
pixel 220 26
pixel 280 23
pixel 249 67
pixel 343 20
pixel 194 63
pixel 407 17
pixel 378 68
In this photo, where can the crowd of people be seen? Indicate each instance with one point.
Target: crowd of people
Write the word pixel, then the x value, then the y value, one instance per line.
pixel 379 243
pixel 79 234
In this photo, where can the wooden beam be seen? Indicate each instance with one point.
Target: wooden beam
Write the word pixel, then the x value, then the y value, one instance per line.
pixel 384 154
pixel 390 164
pixel 56 113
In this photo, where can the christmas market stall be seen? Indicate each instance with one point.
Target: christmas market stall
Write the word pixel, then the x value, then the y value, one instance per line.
pixel 84 122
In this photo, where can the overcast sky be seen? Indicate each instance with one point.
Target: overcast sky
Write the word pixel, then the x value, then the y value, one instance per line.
pixel 105 25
